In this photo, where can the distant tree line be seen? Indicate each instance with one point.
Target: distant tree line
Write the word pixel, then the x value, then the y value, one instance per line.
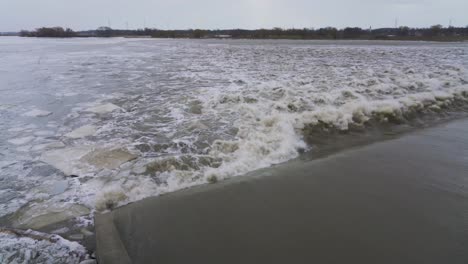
pixel 8 34
pixel 436 32
pixel 49 32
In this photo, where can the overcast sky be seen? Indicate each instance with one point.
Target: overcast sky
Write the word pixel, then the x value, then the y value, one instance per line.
pixel 223 14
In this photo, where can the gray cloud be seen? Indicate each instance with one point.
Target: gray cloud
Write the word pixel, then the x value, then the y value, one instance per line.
pixel 89 14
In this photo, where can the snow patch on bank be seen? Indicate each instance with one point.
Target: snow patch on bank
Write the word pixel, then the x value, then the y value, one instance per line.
pixel 32 247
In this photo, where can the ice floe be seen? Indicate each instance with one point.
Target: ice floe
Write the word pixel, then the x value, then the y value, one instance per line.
pixel 85 159
pixel 46 146
pixel 37 113
pixel 59 187
pixel 108 158
pixel 84 131
pixel 36 215
pixel 67 159
pixel 23 148
pixel 102 109
pixel 44 133
pixel 21 140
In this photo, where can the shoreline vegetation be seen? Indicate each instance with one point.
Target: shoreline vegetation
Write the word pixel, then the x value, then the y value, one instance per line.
pixel 433 33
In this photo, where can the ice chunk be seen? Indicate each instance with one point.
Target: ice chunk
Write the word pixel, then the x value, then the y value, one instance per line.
pixel 102 109
pixel 86 232
pixel 59 187
pixel 57 144
pixel 197 125
pixel 44 133
pixel 52 145
pixel 4 107
pixel 76 237
pixel 37 113
pixel 62 230
pixel 108 158
pixel 76 160
pixel 84 131
pixel 139 169
pixel 68 159
pixel 17 129
pixel 36 215
pixel 21 141
pixel 24 148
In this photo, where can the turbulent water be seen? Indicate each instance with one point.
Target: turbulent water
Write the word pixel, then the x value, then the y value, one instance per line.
pixel 91 124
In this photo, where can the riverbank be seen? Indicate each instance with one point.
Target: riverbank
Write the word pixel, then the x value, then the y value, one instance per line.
pixel 399 201
pixel 433 33
pixel 383 39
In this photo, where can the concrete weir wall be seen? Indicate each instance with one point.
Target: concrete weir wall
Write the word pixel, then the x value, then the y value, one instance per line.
pixel 398 201
pixel 111 248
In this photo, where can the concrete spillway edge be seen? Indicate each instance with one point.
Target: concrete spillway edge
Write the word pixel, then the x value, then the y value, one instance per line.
pixel 110 248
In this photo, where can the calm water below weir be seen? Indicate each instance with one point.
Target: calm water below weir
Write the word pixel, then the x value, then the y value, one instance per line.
pixel 92 124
